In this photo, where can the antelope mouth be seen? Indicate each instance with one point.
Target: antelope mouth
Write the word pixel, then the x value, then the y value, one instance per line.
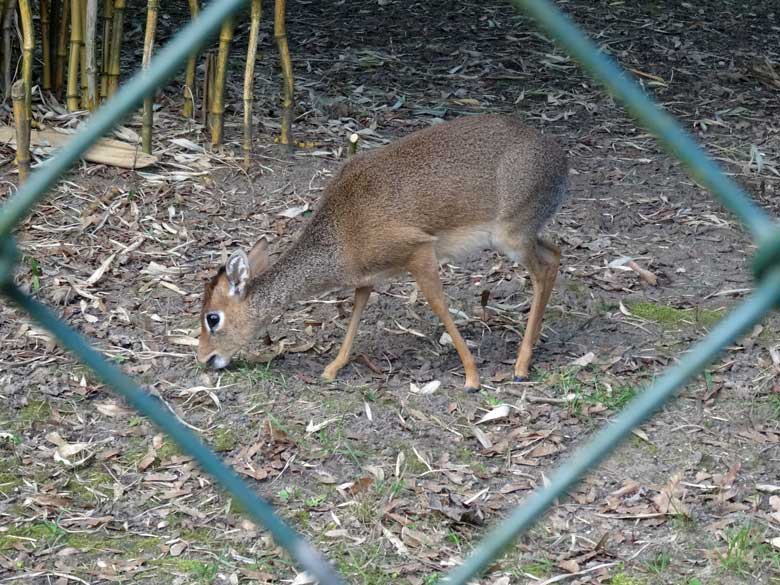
pixel 217 362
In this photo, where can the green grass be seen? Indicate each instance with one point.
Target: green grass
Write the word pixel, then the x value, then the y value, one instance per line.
pixel 774 405
pixel 540 569
pixel 746 551
pixel 566 381
pixel 34 412
pixel 46 533
pixel 363 565
pixel 224 439
pixel 626 579
pixel 249 373
pixel 672 318
pixel 660 564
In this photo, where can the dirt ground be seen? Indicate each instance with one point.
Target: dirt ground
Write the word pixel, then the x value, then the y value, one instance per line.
pixel 393 478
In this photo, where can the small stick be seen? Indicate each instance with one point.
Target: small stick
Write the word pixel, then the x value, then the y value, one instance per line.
pixel 249 77
pixel 45 45
pixel 280 34
pixel 148 117
pixel 352 144
pixel 218 103
pixel 90 71
pixel 116 47
pixel 62 53
pixel 108 14
pixel 188 108
pixel 72 95
pixel 22 130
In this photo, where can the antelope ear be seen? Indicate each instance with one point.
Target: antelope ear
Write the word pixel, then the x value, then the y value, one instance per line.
pixel 237 272
pixel 258 257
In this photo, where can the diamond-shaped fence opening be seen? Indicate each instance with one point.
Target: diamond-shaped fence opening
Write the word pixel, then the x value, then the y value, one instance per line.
pixel 674 139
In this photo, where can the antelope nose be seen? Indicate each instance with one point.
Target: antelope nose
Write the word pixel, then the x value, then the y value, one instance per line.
pixel 211 362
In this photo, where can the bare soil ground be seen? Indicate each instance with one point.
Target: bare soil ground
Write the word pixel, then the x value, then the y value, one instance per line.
pixel 396 485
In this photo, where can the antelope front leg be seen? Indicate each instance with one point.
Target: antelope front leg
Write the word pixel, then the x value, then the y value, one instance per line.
pixel 342 359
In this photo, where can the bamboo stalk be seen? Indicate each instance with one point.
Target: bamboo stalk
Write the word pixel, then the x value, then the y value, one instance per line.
pixel 148 118
pixel 22 130
pixel 83 54
pixel 218 103
pixel 189 76
pixel 7 18
pixel 208 84
pixel 249 77
pixel 90 71
pixel 2 20
pixel 280 34
pixel 62 35
pixel 28 47
pixel 116 47
pixel 45 45
pixel 108 14
pixel 72 95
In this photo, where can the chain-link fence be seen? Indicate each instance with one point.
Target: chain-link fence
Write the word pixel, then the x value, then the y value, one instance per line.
pixel 765 297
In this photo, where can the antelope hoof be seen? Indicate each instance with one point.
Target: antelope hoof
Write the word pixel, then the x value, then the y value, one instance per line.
pixel 471 389
pixel 329 374
pixel 520 379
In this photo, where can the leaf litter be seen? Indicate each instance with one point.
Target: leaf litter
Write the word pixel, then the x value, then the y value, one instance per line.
pixel 387 473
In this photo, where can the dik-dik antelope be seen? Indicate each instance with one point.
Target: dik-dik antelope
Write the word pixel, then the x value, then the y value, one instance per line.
pixel 442 192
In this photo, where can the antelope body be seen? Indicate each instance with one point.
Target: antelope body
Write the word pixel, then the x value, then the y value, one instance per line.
pixel 442 192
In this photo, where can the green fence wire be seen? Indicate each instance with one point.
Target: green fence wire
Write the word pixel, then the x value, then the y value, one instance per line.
pixel 765 297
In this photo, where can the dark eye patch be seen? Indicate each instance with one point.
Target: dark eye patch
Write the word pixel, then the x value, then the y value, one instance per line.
pixel 212 320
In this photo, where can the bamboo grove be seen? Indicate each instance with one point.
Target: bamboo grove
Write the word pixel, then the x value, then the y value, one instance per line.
pixel 79 45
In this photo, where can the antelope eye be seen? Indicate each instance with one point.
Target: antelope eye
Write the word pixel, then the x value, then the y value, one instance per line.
pixel 212 320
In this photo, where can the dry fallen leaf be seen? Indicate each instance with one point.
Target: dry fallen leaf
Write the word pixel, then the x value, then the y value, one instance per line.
pixel 313 428
pixel 101 270
pixel 500 411
pixel 294 211
pixel 178 548
pixel 427 389
pixel 585 360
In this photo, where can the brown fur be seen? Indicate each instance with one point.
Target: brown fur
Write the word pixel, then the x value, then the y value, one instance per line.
pixel 476 182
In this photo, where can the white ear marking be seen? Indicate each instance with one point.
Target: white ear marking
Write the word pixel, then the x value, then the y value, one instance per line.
pixel 237 271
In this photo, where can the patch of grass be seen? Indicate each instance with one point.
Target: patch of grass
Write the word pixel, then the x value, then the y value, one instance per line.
pixel 660 564
pixel 746 549
pixel 35 271
pixel 774 405
pixel 224 439
pixel 9 481
pixel 138 447
pixel 540 568
pixel 626 579
pixel 363 565
pixel 492 400
pixel 672 317
pixel 84 486
pixel 199 572
pixel 167 450
pixel 566 382
pixel 35 412
pixel 46 533
pixel 683 522
pixel 249 373
pixel 613 398
pixel 136 421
